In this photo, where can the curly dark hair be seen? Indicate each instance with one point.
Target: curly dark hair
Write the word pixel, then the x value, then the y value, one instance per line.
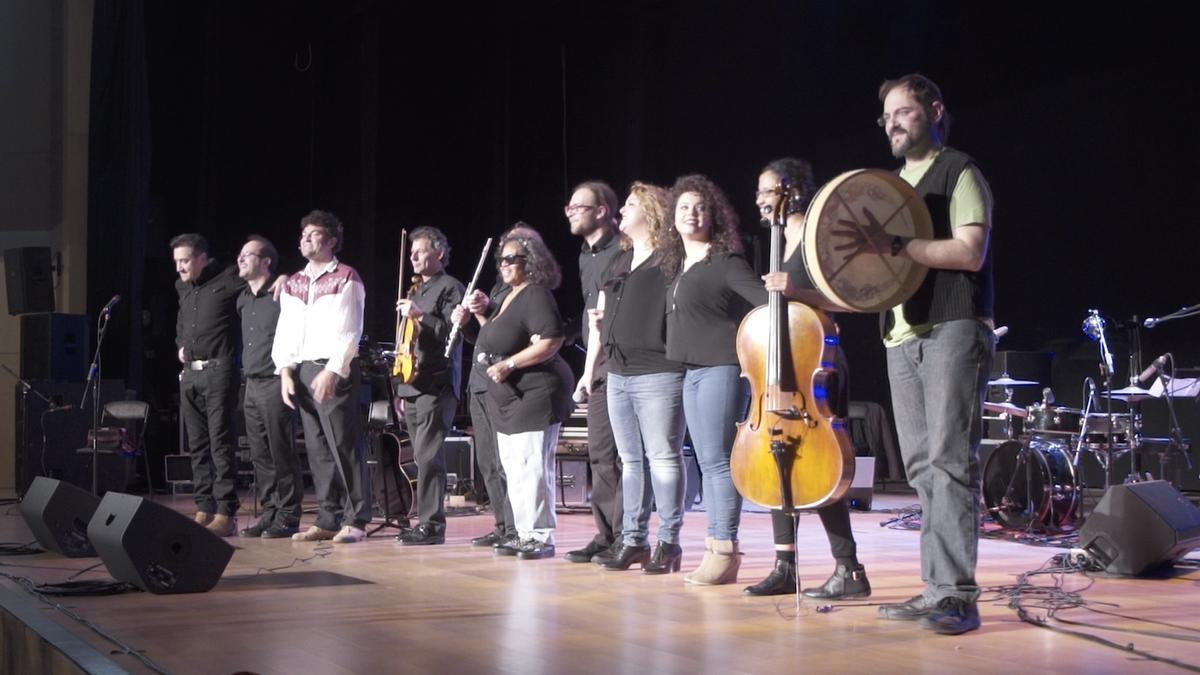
pixel 541 269
pixel 653 201
pixel 799 174
pixel 926 92
pixel 328 222
pixel 726 237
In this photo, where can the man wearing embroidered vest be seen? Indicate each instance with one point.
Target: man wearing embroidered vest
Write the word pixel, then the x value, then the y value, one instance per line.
pixel 316 342
pixel 940 347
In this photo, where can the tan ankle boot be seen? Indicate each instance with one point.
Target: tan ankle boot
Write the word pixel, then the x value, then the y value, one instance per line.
pixel 203 518
pixel 708 548
pixel 720 567
pixel 223 525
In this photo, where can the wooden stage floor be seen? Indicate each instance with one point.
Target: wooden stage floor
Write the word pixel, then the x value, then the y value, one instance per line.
pixel 378 607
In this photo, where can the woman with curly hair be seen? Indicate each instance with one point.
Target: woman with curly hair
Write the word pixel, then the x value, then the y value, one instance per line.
pixel 529 386
pixel 711 288
pixel 645 389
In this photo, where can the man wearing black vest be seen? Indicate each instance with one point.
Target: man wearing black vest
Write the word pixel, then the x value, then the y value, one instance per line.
pixel 940 346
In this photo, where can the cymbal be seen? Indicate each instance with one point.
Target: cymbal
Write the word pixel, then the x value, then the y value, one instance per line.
pixel 1131 389
pixel 1132 393
pixel 1005 407
pixel 1006 381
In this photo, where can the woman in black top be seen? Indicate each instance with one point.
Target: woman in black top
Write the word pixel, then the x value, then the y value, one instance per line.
pixel 849 579
pixel 529 390
pixel 712 288
pixel 645 390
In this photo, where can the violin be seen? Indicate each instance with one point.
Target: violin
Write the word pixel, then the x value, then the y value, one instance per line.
pixel 791 452
pixel 404 365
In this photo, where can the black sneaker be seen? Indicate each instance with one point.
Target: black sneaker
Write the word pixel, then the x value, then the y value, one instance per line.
pixel 280 531
pixel 422 535
pixel 532 549
pixel 507 547
pixel 952 616
pixel 586 553
pixel 910 610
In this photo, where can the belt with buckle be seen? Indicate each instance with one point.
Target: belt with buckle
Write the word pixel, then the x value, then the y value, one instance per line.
pixel 201 365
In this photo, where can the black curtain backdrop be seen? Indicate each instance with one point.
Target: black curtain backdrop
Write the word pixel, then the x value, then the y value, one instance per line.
pixel 470 117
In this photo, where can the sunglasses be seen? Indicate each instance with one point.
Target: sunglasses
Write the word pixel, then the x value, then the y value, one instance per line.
pixel 512 259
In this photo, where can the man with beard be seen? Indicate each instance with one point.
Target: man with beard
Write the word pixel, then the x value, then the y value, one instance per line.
pixel 940 346
pixel 592 212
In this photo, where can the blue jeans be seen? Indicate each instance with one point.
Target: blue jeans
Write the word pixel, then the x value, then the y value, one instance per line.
pixel 646 412
pixel 714 399
pixel 938 380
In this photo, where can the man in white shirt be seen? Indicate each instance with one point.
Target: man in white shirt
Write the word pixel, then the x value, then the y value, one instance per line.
pixel 316 342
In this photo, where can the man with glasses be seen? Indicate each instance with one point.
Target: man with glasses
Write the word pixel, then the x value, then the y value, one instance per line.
pixel 592 212
pixel 315 350
pixel 940 346
pixel 268 421
pixel 206 335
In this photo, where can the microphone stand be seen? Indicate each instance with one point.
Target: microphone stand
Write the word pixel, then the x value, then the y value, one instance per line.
pixel 26 389
pixel 93 383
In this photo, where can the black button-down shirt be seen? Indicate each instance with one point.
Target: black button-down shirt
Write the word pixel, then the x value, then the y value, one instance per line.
pixel 437 298
pixel 260 313
pixel 207 324
pixel 593 266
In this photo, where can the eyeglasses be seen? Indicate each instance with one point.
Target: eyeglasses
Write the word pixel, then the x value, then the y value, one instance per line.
pixel 243 256
pixel 771 192
pixel 572 209
pixel 513 259
pixel 886 118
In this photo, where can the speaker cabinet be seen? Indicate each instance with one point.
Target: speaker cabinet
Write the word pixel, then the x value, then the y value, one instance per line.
pixel 154 548
pixel 58 514
pixel 1140 527
pixel 55 347
pixel 29 280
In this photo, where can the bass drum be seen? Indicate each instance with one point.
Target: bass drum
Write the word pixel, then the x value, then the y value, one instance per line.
pixel 1031 485
pixel 858 204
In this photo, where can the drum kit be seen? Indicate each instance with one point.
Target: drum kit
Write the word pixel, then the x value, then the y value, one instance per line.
pixel 1032 481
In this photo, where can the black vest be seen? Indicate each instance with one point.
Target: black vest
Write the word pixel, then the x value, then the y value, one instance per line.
pixel 946 295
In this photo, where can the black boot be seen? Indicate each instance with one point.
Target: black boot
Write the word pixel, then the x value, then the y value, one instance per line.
pixel 667 558
pixel 844 584
pixel 781 580
pixel 626 556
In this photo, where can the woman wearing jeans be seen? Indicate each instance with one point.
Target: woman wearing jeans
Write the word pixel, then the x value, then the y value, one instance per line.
pixel 711 288
pixel 645 402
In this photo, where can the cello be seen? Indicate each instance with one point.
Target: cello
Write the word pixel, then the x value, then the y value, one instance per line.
pixel 404 365
pixel 791 452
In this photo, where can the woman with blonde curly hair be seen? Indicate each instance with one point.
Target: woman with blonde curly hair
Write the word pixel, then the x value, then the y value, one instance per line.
pixel 711 288
pixel 645 389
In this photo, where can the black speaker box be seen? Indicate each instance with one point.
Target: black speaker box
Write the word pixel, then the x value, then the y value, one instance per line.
pixel 58 514
pixel 155 548
pixel 55 347
pixel 29 279
pixel 1139 527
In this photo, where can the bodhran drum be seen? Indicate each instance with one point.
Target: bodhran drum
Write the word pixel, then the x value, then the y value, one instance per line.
pixel 1031 485
pixel 862 202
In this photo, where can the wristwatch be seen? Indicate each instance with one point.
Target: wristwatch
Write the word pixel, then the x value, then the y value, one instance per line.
pixel 510 364
pixel 897 245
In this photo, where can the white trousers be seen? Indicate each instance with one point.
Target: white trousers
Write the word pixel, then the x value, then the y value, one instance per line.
pixel 528 460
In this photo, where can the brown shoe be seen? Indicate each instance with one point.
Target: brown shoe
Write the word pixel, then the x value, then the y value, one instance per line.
pixel 203 518
pixel 223 525
pixel 719 568
pixel 314 533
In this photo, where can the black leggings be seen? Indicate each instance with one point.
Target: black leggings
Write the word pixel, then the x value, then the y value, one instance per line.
pixel 836 520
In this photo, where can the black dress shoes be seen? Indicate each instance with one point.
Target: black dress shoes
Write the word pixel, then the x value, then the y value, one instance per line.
pixel 667 558
pixel 607 553
pixel 781 580
pixel 910 610
pixel 585 554
pixel 255 530
pixel 507 547
pixel 422 535
pixel 846 583
pixel 952 616
pixel 490 539
pixel 626 556
pixel 280 531
pixel 532 549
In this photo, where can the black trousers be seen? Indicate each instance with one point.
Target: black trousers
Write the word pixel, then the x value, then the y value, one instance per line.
pixel 207 399
pixel 336 448
pixel 428 417
pixel 835 518
pixel 608 505
pixel 276 464
pixel 487 457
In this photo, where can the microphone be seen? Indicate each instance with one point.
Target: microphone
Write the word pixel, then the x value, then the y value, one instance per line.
pixel 1047 396
pixel 111 303
pixel 1156 366
pixel 1000 332
pixel 1151 322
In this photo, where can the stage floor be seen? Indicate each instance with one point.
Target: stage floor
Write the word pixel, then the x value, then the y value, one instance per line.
pixel 379 607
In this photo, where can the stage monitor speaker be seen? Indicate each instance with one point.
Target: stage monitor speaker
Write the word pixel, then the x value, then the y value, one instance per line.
pixel 29 279
pixel 58 514
pixel 155 548
pixel 54 347
pixel 1140 527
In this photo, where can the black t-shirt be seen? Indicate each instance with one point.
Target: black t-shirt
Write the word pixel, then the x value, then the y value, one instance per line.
pixel 633 334
pixel 705 306
pixel 533 397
